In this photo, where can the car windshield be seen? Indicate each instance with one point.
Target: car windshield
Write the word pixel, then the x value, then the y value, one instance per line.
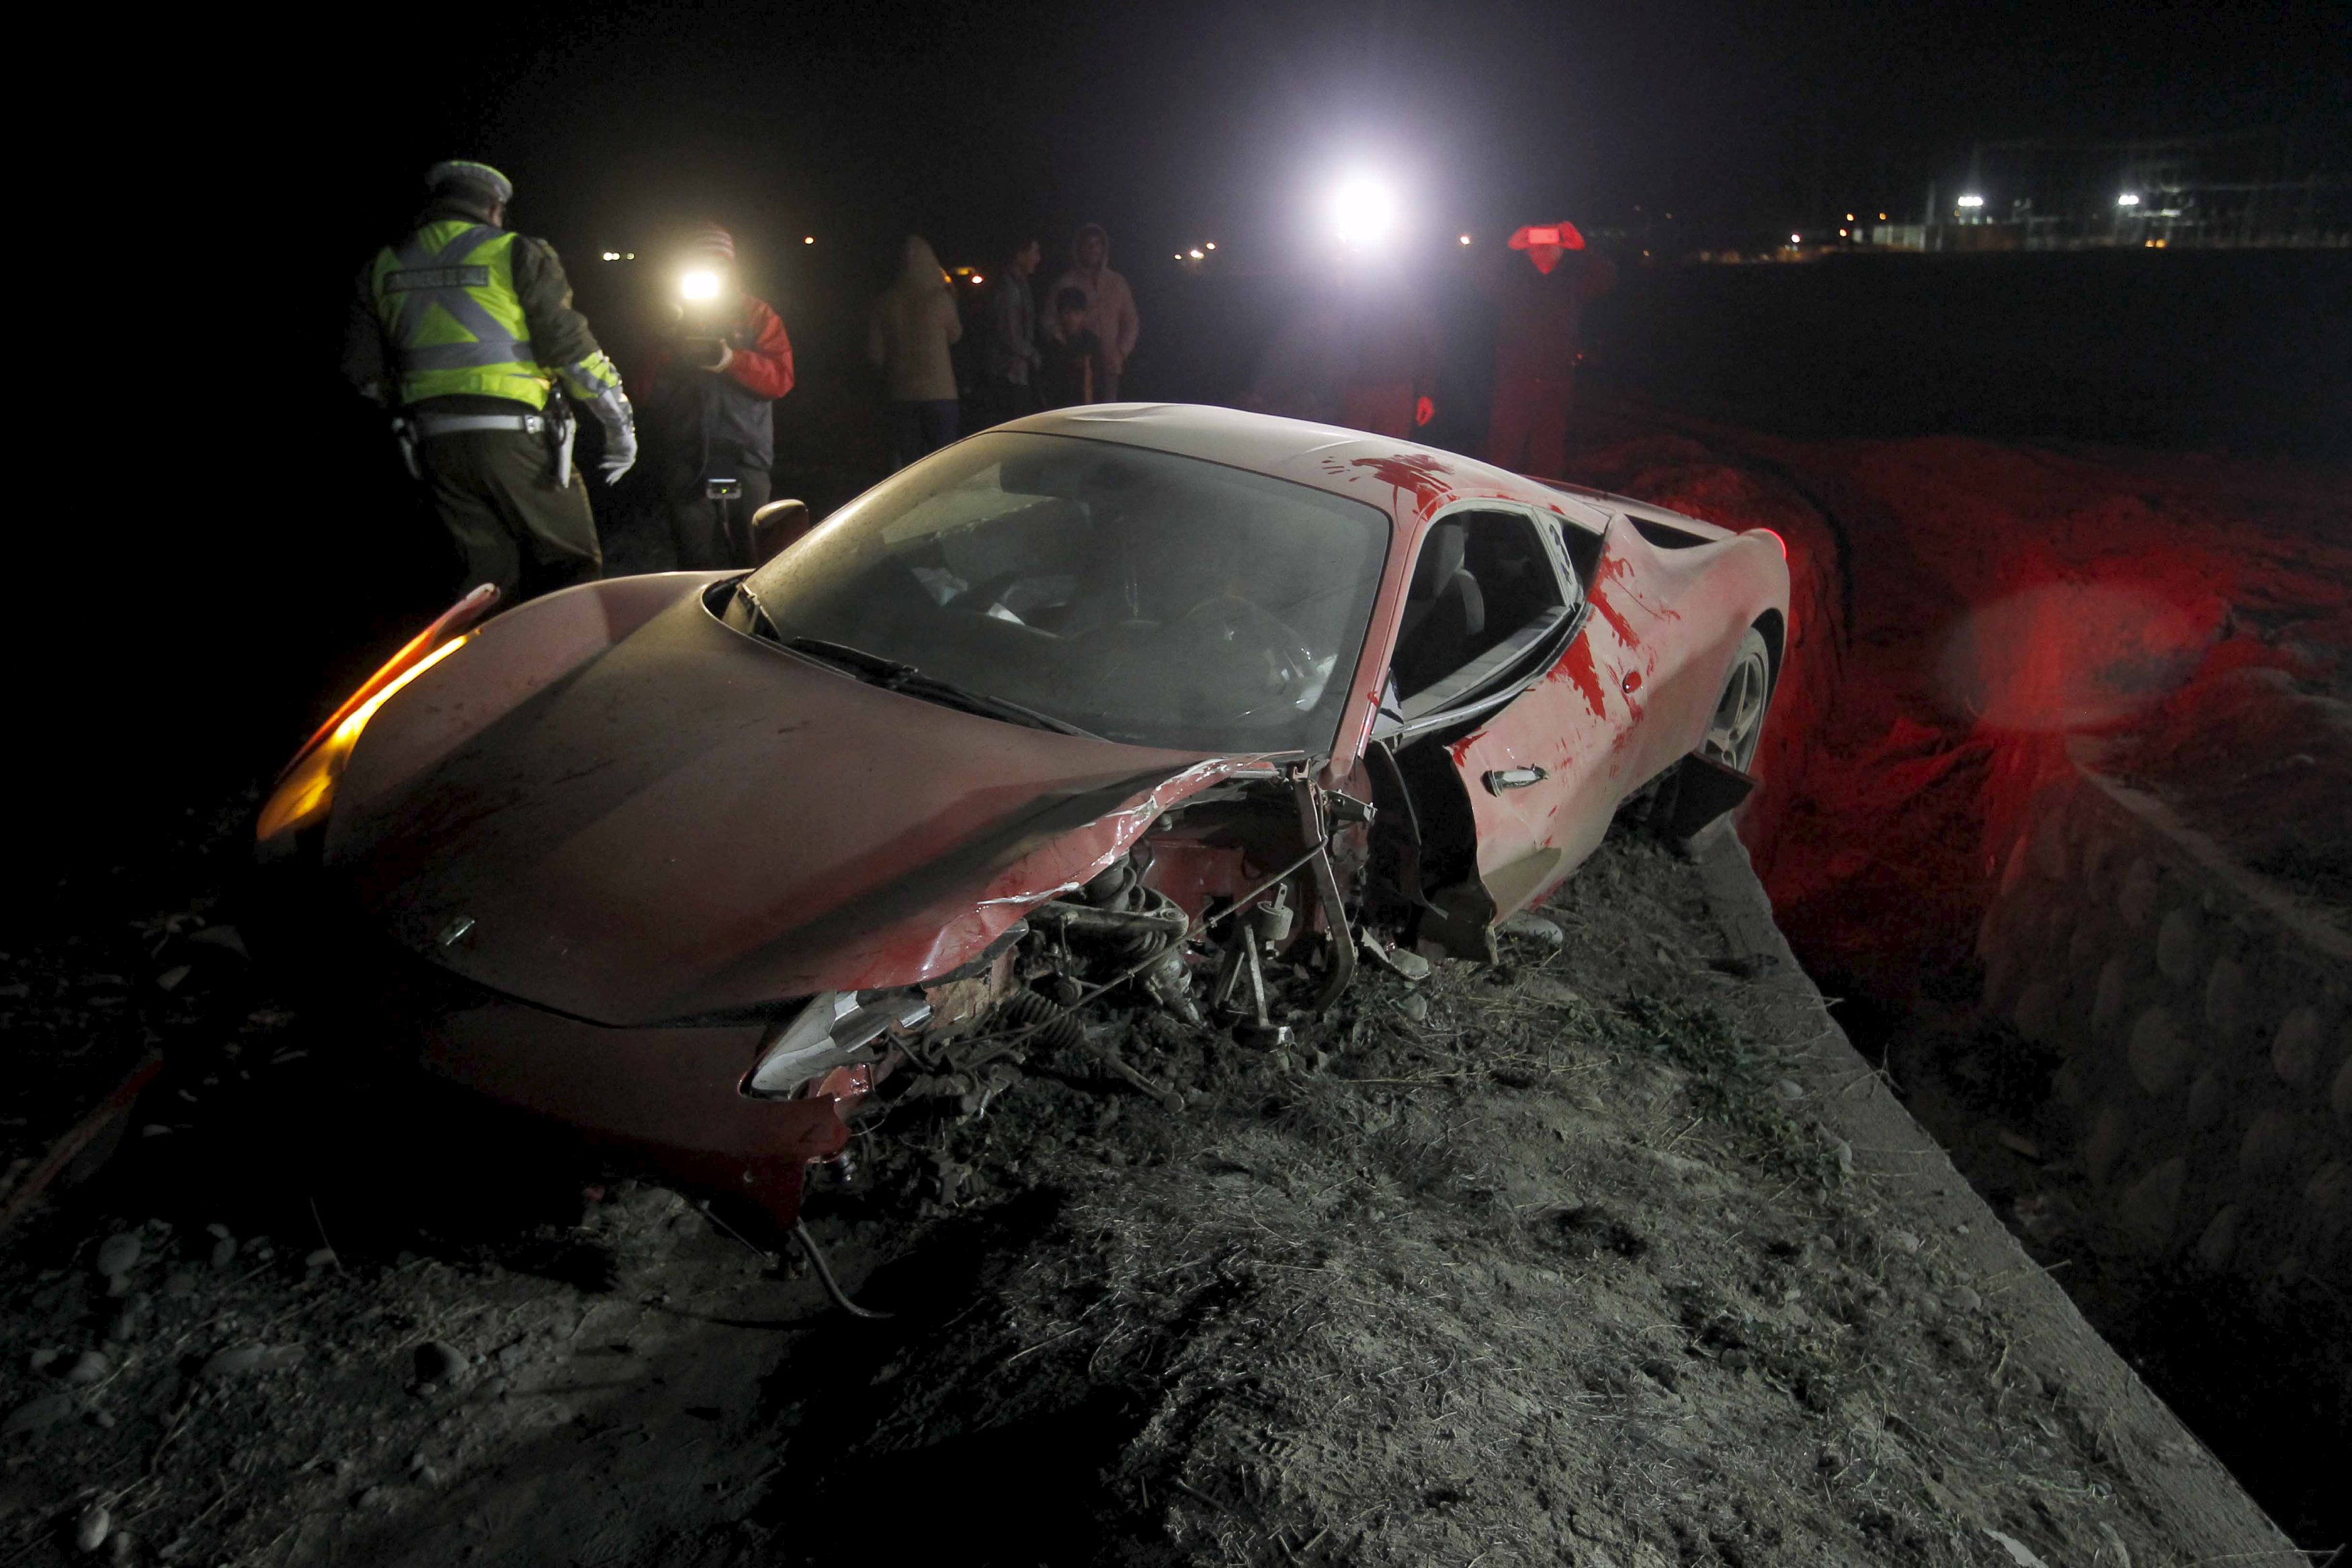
pixel 1134 594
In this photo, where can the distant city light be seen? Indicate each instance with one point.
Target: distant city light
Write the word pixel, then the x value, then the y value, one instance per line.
pixel 808 239
pixel 1842 233
pixel 1971 202
pixel 1195 252
pixel 1363 211
pixel 612 256
pixel 1796 239
pixel 1849 217
pixel 630 256
pixel 1465 239
pixel 1210 246
pixel 1881 217
pixel 2127 199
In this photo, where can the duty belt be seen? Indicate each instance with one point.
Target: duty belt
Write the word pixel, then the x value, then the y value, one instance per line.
pixel 429 425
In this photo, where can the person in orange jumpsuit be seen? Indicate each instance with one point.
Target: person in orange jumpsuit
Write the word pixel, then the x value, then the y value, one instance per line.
pixel 1539 296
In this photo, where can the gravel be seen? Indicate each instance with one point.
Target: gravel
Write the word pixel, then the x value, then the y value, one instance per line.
pixel 117 1254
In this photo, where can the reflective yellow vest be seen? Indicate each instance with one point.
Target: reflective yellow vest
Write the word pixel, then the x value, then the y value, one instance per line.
pixel 451 315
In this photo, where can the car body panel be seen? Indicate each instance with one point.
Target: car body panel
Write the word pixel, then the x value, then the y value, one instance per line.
pixel 635 837
pixel 1632 695
pixel 592 839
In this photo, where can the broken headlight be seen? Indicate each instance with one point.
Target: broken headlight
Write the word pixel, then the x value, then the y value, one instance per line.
pixel 834 1028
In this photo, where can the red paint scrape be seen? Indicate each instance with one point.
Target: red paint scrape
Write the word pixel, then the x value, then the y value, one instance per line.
pixel 1423 475
pixel 1576 667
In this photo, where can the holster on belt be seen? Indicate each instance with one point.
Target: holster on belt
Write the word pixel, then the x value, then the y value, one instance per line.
pixel 403 430
pixel 563 424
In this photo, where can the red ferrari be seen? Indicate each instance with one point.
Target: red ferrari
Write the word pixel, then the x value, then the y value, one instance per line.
pixel 1119 702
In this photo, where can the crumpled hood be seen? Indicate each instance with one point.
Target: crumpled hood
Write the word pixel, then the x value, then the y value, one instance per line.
pixel 692 821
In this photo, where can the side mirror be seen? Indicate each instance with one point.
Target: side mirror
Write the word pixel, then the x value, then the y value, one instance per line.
pixel 775 527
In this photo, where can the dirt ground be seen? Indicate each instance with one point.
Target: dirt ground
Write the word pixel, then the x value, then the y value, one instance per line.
pixel 1979 607
pixel 1597 1257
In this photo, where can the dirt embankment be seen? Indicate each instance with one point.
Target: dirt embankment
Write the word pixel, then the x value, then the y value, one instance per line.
pixel 1979 612
pixel 1611 1255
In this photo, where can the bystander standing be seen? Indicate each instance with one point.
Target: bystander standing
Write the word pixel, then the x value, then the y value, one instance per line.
pixel 909 336
pixel 1008 373
pixel 1111 307
pixel 1071 372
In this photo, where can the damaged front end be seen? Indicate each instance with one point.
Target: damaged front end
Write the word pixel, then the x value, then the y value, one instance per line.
pixel 1229 912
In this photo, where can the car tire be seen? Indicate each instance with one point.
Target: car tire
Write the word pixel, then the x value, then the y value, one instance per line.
pixel 1737 723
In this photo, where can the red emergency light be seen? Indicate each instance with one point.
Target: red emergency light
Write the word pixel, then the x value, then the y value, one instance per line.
pixel 1563 235
pixel 1546 241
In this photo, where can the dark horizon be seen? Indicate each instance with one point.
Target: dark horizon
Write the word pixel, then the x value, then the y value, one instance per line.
pixel 1224 121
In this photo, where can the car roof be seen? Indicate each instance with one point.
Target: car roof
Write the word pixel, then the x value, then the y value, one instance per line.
pixel 1408 480
pixel 1649 509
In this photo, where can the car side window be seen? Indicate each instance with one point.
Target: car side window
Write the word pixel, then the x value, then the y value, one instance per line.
pixel 1485 590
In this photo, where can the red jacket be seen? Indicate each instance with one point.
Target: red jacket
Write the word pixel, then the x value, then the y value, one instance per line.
pixel 732 408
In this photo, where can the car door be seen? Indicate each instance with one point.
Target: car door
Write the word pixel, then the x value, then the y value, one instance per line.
pixel 1541 753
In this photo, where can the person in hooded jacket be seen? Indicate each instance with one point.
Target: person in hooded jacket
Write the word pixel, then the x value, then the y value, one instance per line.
pixel 913 326
pixel 714 385
pixel 1110 306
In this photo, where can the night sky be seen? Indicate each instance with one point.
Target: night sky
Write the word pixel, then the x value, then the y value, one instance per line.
pixel 1175 121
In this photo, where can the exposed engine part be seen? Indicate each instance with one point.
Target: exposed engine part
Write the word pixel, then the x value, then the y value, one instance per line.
pixel 1345 811
pixel 1273 922
pixel 1169 981
pixel 815 1255
pixel 1240 992
pixel 1042 1020
pixel 1151 940
pixel 1250 898
pixel 1112 889
pixel 1163 925
pixel 1316 832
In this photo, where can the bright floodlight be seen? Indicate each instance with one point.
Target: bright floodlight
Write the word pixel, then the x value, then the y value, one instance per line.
pixel 1363 211
pixel 1195 252
pixel 2127 199
pixel 1210 246
pixel 1796 239
pixel 699 284
pixel 1465 238
pixel 1971 202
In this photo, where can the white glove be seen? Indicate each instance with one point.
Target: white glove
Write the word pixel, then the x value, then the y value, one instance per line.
pixel 612 410
pixel 620 456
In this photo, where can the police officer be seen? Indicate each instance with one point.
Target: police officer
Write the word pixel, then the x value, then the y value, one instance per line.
pixel 464 330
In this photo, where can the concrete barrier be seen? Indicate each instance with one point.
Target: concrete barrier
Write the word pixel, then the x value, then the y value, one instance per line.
pixel 2204 1015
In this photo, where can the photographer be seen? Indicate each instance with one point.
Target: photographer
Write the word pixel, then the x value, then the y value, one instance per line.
pixel 714 382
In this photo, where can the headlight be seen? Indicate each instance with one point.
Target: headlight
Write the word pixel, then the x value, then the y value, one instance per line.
pixel 835 1029
pixel 306 790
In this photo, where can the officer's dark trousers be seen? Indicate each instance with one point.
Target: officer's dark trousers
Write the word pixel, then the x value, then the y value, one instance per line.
pixel 495 491
pixel 714 535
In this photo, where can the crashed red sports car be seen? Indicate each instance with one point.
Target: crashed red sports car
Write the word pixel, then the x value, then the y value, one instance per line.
pixel 1172 707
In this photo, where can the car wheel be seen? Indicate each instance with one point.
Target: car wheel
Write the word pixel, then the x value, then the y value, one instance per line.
pixel 1738 721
